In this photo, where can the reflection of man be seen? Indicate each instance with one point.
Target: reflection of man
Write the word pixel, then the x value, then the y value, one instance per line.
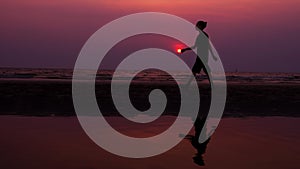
pixel 200 147
pixel 199 126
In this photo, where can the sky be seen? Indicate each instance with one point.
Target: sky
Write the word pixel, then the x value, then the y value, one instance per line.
pixel 250 35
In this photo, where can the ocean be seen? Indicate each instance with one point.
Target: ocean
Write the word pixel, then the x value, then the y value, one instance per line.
pixel 146 76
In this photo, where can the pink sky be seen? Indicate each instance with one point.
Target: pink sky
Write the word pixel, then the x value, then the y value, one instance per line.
pixel 250 35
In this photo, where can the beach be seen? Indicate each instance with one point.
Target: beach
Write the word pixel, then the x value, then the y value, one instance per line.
pixel 39 127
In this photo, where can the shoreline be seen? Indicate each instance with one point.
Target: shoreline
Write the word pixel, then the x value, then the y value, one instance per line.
pixel 44 98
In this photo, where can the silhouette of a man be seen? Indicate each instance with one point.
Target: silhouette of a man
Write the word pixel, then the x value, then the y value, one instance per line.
pixel 203 47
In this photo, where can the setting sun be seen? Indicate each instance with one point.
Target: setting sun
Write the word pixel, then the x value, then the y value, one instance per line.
pixel 178 50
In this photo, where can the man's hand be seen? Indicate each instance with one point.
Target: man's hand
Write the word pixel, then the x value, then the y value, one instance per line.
pixel 185 49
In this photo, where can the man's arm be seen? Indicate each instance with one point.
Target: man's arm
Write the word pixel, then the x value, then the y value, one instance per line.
pixel 186 49
pixel 212 53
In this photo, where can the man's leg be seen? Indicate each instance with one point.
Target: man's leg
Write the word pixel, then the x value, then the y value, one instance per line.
pixel 191 78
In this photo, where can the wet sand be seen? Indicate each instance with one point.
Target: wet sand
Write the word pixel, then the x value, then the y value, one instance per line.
pixel 60 142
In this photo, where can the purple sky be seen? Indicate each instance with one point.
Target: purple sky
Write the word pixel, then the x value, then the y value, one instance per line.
pixel 254 35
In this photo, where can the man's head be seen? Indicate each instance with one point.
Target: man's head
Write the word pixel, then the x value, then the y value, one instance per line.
pixel 201 25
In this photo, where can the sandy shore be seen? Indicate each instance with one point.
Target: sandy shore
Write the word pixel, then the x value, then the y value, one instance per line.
pixel 53 97
pixel 59 142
